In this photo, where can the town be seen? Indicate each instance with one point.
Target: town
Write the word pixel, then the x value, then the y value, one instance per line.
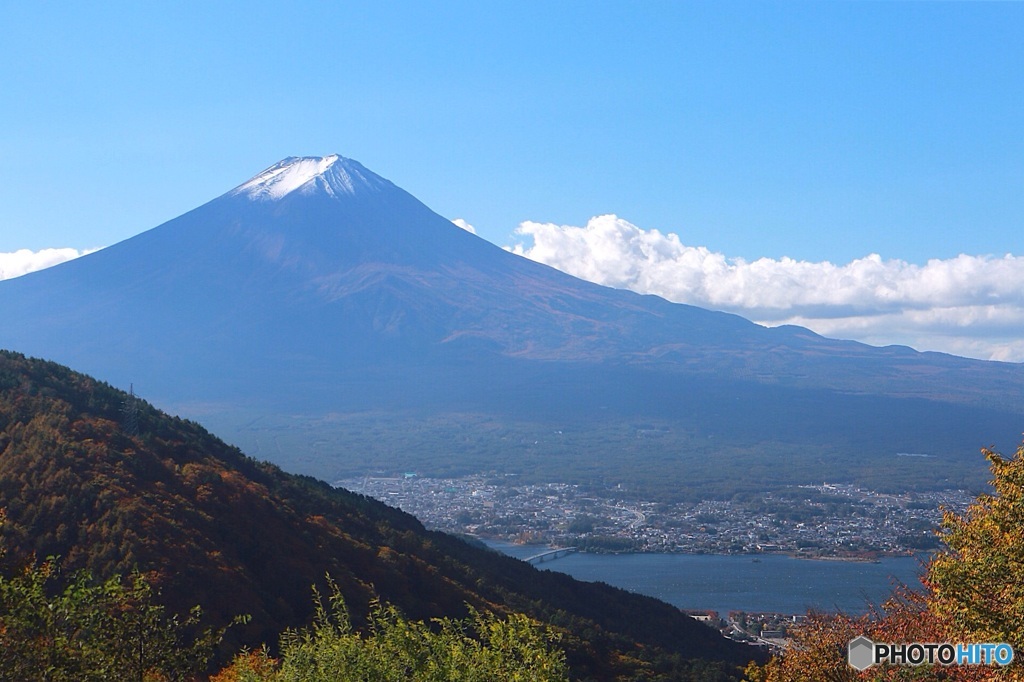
pixel 816 521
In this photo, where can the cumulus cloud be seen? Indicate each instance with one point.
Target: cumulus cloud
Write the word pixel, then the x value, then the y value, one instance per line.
pixel 24 261
pixel 968 305
pixel 464 225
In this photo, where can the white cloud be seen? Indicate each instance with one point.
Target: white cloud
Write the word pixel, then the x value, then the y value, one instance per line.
pixel 23 261
pixel 464 225
pixel 968 305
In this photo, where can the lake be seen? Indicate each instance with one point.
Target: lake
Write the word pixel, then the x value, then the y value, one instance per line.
pixel 726 583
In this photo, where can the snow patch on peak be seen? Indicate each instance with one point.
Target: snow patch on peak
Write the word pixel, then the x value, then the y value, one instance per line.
pixel 334 175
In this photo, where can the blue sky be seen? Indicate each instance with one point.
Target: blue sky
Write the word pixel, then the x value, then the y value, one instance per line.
pixel 822 131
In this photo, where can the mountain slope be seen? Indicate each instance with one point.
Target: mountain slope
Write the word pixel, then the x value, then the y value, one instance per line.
pixel 318 288
pixel 363 268
pixel 238 536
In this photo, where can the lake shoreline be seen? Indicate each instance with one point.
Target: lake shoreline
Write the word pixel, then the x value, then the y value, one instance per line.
pixel 753 583
pixel 871 558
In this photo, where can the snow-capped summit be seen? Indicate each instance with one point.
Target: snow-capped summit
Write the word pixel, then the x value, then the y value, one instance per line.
pixel 332 174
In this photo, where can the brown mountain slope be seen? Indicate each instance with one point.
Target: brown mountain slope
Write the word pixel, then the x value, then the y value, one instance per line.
pixel 110 484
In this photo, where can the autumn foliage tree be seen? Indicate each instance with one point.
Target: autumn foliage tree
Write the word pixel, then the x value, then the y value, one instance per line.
pixel 973 592
pixel 977 585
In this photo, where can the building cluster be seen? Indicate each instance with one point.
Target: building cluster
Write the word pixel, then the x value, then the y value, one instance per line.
pixel 767 630
pixel 824 520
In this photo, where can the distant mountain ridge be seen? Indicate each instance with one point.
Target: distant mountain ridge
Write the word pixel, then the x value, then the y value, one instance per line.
pixel 318 287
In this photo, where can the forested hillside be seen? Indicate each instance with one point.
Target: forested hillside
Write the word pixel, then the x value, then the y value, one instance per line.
pixel 108 483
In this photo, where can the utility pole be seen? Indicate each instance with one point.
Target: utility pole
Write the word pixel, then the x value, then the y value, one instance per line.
pixel 130 413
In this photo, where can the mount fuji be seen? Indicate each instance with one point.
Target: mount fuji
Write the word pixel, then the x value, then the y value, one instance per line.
pixel 322 317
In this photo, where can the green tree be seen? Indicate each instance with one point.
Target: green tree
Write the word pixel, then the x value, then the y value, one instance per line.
pixel 55 628
pixel 110 632
pixel 139 640
pixel 480 648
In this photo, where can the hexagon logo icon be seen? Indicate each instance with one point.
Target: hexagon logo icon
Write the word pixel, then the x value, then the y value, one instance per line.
pixel 861 653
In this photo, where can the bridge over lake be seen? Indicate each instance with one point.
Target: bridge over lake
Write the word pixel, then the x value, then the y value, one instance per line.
pixel 552 554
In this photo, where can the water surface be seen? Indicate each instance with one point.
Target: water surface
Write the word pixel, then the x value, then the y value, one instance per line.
pixel 726 583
